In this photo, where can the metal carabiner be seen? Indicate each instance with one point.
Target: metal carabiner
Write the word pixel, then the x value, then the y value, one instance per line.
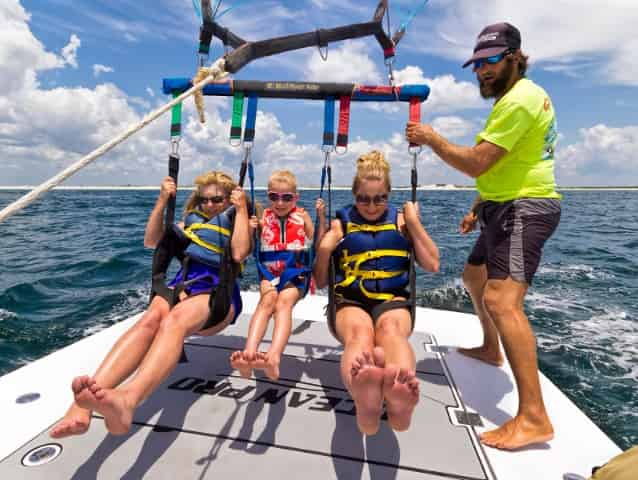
pixel 175 146
pixel 415 150
pixel 248 146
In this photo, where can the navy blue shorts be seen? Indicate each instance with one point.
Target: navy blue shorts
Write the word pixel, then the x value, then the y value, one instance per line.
pixel 513 235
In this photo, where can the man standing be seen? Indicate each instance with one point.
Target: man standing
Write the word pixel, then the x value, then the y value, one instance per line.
pixel 518 210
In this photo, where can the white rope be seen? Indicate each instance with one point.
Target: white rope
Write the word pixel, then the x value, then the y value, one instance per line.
pixel 216 71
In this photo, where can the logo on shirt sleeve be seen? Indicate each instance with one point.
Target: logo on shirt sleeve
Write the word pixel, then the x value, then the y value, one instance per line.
pixel 551 137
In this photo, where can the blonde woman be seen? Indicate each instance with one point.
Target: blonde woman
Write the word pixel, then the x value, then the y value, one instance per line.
pixel 151 348
pixel 369 242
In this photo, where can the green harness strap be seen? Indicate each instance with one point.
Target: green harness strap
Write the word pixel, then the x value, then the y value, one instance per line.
pixel 238 112
pixel 176 118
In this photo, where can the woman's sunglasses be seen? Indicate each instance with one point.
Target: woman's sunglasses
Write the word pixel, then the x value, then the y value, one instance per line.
pixel 213 199
pixel 478 63
pixel 377 199
pixel 284 197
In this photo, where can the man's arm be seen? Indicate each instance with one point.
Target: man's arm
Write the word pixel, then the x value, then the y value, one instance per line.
pixel 473 161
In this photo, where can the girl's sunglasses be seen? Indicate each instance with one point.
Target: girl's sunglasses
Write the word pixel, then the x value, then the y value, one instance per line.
pixel 284 197
pixel 213 199
pixel 377 199
pixel 478 63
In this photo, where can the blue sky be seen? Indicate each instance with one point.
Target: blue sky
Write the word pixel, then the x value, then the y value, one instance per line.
pixel 77 72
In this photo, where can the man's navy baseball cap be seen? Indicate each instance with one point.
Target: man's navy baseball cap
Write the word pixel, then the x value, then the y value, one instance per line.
pixel 495 39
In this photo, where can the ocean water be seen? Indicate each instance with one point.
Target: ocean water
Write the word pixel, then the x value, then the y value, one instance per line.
pixel 74 263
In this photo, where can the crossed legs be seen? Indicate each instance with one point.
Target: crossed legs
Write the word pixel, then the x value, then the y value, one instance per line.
pixel 152 347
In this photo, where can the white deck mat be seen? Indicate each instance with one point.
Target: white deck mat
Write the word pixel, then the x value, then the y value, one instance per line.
pixel 205 421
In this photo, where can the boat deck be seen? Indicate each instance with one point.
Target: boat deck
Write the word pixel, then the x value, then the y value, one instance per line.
pixel 205 421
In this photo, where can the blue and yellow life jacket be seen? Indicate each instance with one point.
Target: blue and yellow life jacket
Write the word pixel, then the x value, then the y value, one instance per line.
pixel 209 236
pixel 373 258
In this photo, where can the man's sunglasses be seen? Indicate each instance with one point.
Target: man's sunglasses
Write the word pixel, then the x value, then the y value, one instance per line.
pixel 213 199
pixel 367 200
pixel 478 63
pixel 284 197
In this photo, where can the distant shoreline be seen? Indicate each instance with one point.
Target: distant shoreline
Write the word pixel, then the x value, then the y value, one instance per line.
pixel 421 188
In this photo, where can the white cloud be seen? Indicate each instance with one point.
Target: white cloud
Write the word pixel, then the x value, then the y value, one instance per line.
pixel 70 51
pixel 453 127
pixel 21 54
pixel 150 91
pixel 605 155
pixel 347 63
pixel 98 69
pixel 446 94
pixel 552 31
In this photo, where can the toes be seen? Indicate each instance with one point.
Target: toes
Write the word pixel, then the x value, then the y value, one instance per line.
pixel 79 383
pixel 378 356
pixel 368 359
pixel 404 375
pixel 390 375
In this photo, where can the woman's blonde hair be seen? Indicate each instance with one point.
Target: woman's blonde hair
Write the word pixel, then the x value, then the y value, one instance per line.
pixel 222 180
pixel 371 166
pixel 283 176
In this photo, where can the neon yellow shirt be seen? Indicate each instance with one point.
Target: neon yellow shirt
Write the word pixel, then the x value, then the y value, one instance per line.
pixel 523 123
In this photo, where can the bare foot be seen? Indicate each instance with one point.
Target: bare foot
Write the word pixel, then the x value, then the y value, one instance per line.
pixel 484 354
pixel 366 389
pixel 238 362
pixel 519 432
pixel 269 363
pixel 272 365
pixel 401 392
pixel 114 405
pixel 76 421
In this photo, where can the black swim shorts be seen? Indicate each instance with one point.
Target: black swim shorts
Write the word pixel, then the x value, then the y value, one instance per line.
pixel 374 308
pixel 512 236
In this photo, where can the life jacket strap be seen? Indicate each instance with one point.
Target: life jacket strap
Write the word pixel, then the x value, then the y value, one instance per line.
pixel 202 243
pixel 356 227
pixel 351 266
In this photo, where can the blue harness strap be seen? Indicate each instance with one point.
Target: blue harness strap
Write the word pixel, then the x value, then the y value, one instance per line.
pixel 298 276
pixel 251 119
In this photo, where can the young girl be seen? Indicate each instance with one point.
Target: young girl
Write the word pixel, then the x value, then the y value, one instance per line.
pixel 285 238
pixel 370 244
pixel 151 348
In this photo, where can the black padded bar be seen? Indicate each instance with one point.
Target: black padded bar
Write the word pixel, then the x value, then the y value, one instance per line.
pixel 250 51
pixel 226 36
pixel 301 90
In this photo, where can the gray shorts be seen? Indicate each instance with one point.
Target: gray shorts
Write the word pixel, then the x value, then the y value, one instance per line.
pixel 512 236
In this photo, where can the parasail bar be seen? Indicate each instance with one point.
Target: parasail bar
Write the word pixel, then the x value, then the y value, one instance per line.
pixel 304 90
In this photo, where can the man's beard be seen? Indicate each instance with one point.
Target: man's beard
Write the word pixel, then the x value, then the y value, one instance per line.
pixel 496 87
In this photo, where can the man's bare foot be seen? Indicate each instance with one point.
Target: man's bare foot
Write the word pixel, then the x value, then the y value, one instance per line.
pixel 76 421
pixel 484 354
pixel 401 392
pixel 114 405
pixel 239 362
pixel 269 363
pixel 519 432
pixel 366 389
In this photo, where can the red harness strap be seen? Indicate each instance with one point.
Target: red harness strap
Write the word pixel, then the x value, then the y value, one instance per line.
pixel 415 113
pixel 344 122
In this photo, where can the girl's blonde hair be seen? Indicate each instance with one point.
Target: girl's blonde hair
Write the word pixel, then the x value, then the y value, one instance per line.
pixel 222 180
pixel 371 166
pixel 283 176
